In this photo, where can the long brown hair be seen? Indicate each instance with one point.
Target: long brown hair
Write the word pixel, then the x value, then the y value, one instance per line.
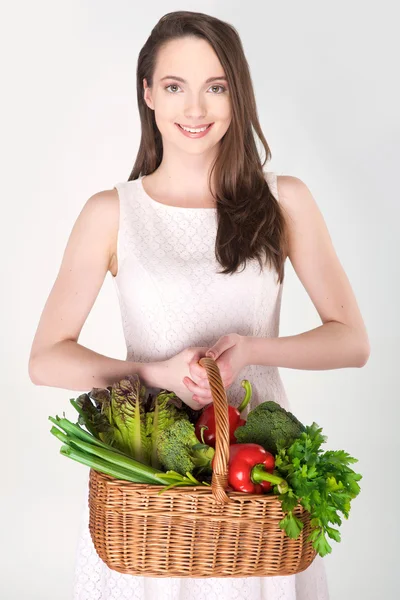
pixel 251 224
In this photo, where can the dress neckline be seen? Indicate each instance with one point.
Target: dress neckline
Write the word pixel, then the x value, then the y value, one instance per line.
pixel 169 206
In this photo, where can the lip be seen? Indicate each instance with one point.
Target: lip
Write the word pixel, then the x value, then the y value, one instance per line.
pixel 194 126
pixel 195 135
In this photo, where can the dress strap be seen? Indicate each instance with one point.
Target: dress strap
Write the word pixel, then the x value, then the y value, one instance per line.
pixel 272 180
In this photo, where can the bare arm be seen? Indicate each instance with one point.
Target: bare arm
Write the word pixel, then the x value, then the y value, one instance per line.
pixel 56 358
pixel 332 345
pixel 342 340
pixel 69 365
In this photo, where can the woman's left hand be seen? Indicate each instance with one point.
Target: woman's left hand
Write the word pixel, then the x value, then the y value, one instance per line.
pixel 229 352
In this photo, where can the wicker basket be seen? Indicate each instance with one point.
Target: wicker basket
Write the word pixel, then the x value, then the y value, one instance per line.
pixel 195 531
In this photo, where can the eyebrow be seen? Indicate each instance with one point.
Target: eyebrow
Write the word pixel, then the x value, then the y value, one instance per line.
pixel 184 81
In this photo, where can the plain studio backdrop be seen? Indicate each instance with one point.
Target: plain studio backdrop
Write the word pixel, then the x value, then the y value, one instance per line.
pixel 327 91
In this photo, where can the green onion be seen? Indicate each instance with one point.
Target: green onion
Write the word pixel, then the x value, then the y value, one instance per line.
pixel 77 431
pixel 100 465
pixel 92 452
pixel 177 484
pixel 145 473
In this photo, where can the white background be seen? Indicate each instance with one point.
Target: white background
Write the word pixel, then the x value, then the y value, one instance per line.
pixel 327 90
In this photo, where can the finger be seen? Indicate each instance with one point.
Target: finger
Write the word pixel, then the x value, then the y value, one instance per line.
pixel 199 374
pixel 202 400
pixel 224 343
pixel 196 389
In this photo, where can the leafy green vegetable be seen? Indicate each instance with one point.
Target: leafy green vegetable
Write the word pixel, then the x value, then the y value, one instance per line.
pixel 178 449
pixel 117 416
pixel 269 425
pixel 170 409
pixel 122 417
pixel 126 412
pixel 322 482
pixel 163 412
pixel 93 418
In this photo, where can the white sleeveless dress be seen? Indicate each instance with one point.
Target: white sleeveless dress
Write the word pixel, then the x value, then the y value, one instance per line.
pixel 172 297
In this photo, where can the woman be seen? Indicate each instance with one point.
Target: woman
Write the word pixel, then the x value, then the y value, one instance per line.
pixel 198 199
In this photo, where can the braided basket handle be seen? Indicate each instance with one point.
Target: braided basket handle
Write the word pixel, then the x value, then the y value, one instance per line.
pixel 219 478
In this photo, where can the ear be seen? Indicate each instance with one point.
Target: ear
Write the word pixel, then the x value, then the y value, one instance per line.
pixel 147 95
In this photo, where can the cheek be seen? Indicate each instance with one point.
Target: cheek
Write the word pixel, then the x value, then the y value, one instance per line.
pixel 165 110
pixel 225 121
pixel 164 120
pixel 221 108
pixel 224 114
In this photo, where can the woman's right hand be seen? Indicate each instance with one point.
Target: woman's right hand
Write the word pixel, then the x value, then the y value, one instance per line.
pixel 185 364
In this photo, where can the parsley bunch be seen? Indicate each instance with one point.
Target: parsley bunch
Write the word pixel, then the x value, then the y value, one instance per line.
pixel 322 482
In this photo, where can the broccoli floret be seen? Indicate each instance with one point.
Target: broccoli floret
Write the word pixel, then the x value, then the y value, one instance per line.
pixel 270 425
pixel 178 449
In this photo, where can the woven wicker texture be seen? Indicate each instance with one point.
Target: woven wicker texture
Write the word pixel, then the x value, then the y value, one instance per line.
pixel 195 531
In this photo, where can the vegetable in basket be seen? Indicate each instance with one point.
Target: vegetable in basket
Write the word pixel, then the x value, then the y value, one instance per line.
pixel 83 447
pixel 123 406
pixel 250 470
pixel 269 424
pixel 179 449
pixel 123 418
pixel 322 482
pixel 163 413
pixel 207 418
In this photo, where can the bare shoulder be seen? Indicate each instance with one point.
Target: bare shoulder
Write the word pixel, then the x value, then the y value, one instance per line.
pixel 293 193
pixel 104 209
pixel 307 231
pixel 298 203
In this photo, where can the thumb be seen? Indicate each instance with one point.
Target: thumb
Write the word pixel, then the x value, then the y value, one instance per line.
pixel 219 347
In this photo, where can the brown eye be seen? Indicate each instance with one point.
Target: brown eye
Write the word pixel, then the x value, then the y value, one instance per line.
pixel 171 85
pixel 219 86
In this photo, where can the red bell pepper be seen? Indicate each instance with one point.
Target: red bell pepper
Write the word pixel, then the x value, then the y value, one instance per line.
pixel 207 419
pixel 250 470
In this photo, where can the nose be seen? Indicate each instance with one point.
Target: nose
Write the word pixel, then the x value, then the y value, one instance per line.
pixel 195 107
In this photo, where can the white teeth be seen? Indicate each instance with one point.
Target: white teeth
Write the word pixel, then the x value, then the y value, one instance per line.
pixel 194 130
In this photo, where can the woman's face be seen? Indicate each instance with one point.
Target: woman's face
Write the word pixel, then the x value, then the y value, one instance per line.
pixel 193 102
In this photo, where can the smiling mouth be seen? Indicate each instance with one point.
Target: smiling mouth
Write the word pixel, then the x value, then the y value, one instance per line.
pixel 196 129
